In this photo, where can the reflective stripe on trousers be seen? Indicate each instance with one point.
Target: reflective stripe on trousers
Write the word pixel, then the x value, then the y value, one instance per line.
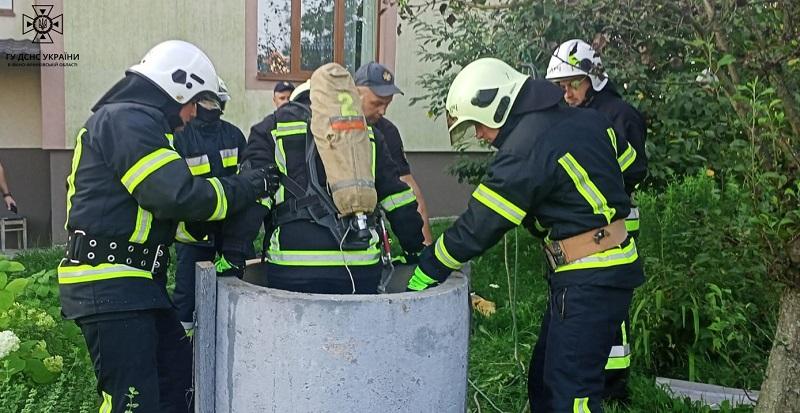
pixel 632 220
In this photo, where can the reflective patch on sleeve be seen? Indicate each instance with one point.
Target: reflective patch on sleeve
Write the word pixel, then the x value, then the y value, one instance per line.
pixel 498 204
pixel 392 202
pixel 221 210
pixel 145 167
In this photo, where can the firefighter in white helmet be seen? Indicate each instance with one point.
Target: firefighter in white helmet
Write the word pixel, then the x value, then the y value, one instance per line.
pixel 126 193
pixel 577 68
pixel 555 174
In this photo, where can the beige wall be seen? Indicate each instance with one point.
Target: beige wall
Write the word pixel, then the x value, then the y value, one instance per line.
pixel 419 131
pixel 20 107
pixel 11 26
pixel 111 35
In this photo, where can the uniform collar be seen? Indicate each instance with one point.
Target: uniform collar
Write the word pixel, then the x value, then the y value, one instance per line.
pixel 536 95
pixel 134 88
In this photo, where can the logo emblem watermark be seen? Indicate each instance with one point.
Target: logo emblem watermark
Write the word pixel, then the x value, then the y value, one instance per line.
pixel 42 24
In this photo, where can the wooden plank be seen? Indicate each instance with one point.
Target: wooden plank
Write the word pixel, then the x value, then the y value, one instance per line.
pixel 205 337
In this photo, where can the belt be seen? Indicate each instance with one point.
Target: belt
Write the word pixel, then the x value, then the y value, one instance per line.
pixel 569 250
pixel 92 250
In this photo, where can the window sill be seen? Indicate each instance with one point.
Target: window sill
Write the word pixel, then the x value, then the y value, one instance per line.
pixel 7 13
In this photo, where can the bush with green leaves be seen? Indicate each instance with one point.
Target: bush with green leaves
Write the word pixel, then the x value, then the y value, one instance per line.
pixel 48 369
pixel 707 311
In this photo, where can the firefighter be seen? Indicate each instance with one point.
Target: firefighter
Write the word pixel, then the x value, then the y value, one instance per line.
pixel 127 189
pixel 302 252
pixel 376 88
pixel 211 147
pixel 281 93
pixel 577 68
pixel 555 172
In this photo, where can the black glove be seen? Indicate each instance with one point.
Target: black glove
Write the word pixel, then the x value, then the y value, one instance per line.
pixel 265 181
pixel 273 179
pixel 257 178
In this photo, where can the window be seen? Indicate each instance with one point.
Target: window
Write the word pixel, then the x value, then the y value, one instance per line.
pixel 297 36
pixel 6 7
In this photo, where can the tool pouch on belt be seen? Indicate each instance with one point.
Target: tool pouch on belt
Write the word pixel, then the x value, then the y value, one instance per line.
pixel 569 250
pixel 88 249
pixel 341 137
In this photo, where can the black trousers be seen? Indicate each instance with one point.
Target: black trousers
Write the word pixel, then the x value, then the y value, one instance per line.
pixel 143 350
pixel 187 256
pixel 567 370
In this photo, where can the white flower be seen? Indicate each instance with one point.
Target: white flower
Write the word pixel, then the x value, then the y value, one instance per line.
pixel 9 342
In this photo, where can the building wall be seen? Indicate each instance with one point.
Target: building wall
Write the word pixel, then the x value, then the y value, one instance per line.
pixel 217 27
pixel 20 115
pixel 60 167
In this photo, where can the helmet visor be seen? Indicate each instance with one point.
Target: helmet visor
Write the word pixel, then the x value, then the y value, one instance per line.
pixel 460 130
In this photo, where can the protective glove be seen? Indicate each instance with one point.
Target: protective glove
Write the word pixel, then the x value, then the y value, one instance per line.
pixel 226 268
pixel 265 181
pixel 420 281
pixel 273 179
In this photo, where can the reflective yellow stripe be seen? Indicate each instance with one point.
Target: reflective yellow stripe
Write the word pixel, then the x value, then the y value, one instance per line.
pixel 171 139
pixel 183 235
pixel 444 256
pixel 275 240
pixel 632 220
pixel 290 128
pixel 144 219
pixel 620 356
pixel 586 187
pixel 581 405
pixel 324 258
pixel 221 211
pixel 76 160
pixel 618 363
pixel 498 204
pixel 626 159
pixel 199 165
pixel 107 405
pixel 420 281
pixel 372 143
pixel 392 202
pixel 86 273
pixel 146 166
pixel 230 157
pixel 625 335
pixel 608 258
pixel 612 136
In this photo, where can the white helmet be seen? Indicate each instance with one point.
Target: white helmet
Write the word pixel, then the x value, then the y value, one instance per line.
pixel 180 69
pixel 303 87
pixel 223 94
pixel 575 58
pixel 482 92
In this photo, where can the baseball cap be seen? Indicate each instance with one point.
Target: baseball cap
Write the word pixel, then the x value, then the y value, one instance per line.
pixel 283 86
pixel 378 78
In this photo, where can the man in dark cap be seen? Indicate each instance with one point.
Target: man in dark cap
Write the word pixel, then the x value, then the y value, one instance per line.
pixel 281 93
pixel 377 89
